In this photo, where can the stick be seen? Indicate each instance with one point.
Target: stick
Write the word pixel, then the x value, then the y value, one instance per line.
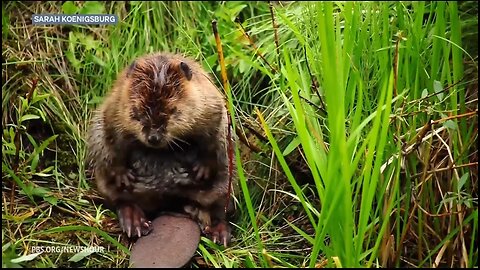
pixel 227 89
pixel 275 28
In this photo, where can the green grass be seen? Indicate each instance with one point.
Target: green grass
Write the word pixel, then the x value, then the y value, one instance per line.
pixel 364 122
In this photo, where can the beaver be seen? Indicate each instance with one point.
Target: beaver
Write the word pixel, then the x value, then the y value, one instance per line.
pixel 159 141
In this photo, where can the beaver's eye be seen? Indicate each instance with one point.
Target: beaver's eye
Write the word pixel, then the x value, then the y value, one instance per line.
pixel 135 114
pixel 143 121
pixel 136 118
pixel 145 128
pixel 175 111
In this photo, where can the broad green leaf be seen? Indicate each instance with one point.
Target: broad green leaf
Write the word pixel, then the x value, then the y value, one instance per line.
pixel 437 87
pixel 27 117
pixel 291 146
pixel 92 7
pixel 69 7
pixel 450 124
pixel 462 181
pixel 424 93
pixel 39 97
pixel 90 42
pixel 50 199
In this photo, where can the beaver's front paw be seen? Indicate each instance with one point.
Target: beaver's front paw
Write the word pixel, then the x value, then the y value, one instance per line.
pixel 204 169
pixel 123 178
pixel 132 220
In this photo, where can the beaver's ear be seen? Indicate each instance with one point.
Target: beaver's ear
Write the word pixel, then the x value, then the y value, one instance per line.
pixel 186 70
pixel 131 68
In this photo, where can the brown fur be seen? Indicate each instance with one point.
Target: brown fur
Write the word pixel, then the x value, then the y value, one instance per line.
pixel 198 99
pixel 158 95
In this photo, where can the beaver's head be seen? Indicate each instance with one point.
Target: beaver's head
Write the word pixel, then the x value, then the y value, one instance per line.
pixel 159 98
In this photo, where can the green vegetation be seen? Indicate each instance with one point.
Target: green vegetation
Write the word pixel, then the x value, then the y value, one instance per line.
pixel 357 127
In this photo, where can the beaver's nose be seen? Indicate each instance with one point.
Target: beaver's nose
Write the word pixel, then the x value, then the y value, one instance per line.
pixel 153 139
